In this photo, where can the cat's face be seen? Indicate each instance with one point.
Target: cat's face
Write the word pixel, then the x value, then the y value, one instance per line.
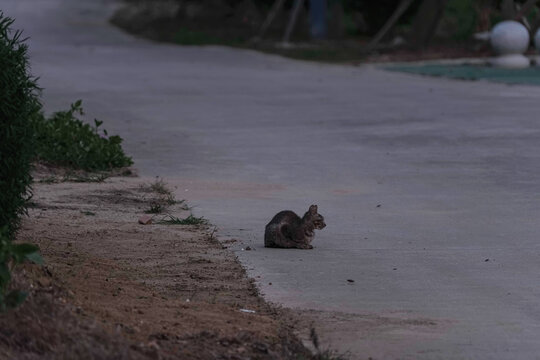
pixel 316 218
pixel 319 222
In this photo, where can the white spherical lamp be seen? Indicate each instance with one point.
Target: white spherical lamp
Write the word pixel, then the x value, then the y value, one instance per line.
pixel 510 39
pixel 537 46
pixel 537 40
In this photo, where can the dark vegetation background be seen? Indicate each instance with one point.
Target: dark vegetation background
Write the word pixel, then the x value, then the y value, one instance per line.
pixel 444 26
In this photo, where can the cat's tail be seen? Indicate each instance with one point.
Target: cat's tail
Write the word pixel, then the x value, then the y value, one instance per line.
pixel 269 236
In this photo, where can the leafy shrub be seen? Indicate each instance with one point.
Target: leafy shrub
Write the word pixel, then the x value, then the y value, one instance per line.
pixel 18 103
pixel 24 134
pixel 10 256
pixel 65 140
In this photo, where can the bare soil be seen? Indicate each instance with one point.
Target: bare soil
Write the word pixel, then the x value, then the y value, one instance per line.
pixel 115 289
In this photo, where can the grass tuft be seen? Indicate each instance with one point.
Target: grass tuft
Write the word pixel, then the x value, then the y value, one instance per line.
pixel 190 220
pixel 155 209
pixel 160 186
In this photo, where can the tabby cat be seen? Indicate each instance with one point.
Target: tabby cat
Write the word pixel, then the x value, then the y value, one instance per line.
pixel 288 230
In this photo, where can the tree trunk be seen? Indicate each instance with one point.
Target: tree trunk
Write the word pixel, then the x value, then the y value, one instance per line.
pixel 336 19
pixel 508 9
pixel 400 10
pixel 298 4
pixel 425 22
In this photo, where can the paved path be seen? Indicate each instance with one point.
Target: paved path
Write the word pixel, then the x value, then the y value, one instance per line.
pixel 447 267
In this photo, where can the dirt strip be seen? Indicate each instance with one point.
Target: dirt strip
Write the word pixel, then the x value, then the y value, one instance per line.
pixel 115 289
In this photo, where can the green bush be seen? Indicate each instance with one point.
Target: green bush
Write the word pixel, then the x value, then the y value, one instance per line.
pixel 18 103
pixel 65 140
pixel 26 134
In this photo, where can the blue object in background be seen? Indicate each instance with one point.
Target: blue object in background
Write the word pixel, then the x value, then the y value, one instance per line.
pixel 317 14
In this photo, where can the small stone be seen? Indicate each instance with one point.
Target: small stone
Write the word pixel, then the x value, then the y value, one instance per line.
pixel 248 248
pixel 44 282
pixel 145 220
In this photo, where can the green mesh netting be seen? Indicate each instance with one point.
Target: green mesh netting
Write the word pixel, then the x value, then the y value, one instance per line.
pixel 530 76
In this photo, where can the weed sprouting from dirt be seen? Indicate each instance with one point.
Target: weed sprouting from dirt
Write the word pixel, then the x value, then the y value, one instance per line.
pixel 171 200
pixel 190 220
pixel 314 337
pixel 324 354
pixel 155 209
pixel 164 197
pixel 160 186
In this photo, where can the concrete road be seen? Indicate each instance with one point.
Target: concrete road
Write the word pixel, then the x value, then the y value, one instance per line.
pixel 430 187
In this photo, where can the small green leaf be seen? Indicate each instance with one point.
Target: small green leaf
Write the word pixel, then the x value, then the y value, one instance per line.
pixel 22 251
pixel 35 257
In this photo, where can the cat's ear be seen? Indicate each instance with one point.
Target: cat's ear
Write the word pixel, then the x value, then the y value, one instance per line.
pixel 313 209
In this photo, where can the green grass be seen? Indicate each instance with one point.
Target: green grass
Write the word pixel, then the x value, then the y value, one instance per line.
pixel 65 140
pixel 191 37
pixel 323 53
pixel 330 54
pixel 190 220
pixel 165 197
pixel 184 36
pixel 155 209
